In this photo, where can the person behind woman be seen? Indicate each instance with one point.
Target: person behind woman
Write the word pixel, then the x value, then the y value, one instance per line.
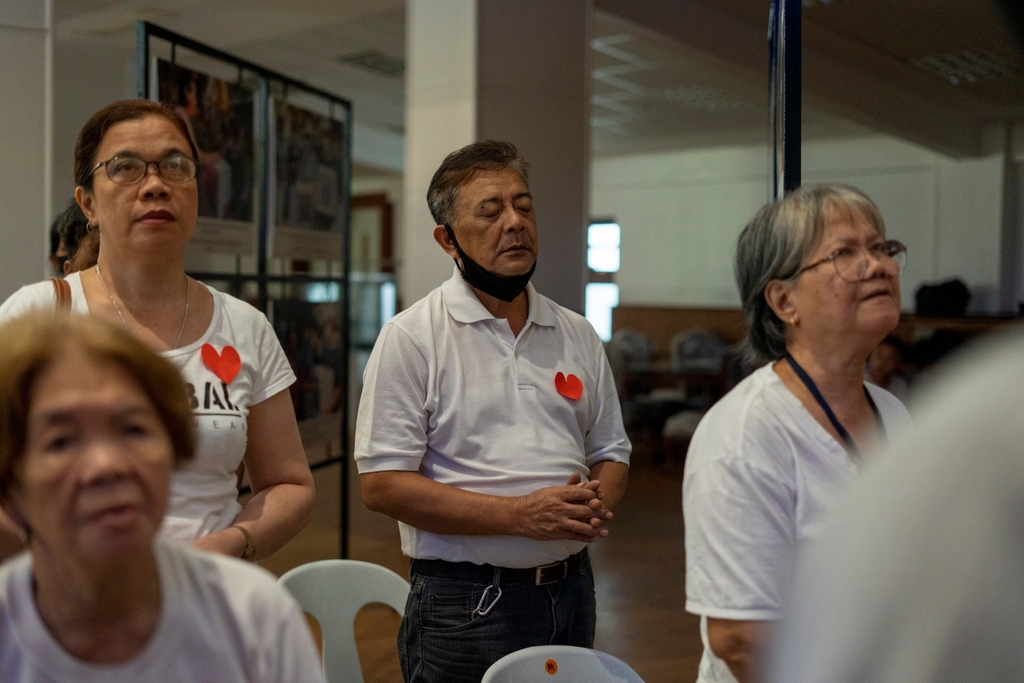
pixel 135 168
pixel 820 289
pixel 92 423
pixel 81 244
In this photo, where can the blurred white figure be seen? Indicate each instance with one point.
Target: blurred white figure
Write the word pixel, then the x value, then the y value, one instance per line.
pixel 919 576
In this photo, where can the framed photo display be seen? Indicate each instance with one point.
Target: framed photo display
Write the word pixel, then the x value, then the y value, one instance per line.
pixel 310 333
pixel 308 161
pixel 220 117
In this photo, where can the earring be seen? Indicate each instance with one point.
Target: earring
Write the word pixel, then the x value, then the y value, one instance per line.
pixel 793 321
pixel 89 227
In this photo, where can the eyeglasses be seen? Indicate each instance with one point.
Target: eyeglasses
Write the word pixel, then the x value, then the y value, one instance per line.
pixel 851 263
pixel 125 170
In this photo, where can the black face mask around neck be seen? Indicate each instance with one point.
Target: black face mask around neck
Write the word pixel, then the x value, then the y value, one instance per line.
pixel 478 277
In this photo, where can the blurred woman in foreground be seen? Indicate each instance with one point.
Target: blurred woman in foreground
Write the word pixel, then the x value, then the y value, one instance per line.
pixel 820 289
pixel 92 423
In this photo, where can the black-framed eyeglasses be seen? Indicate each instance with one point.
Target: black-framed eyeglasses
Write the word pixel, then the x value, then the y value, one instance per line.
pixel 128 170
pixel 851 263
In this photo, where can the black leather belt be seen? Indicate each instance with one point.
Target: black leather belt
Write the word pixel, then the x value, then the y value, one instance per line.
pixel 538 576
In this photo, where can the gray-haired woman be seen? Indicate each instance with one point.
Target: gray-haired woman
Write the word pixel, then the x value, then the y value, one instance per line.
pixel 820 289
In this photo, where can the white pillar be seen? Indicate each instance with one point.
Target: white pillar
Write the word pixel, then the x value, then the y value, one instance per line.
pixel 513 70
pixel 26 122
pixel 440 116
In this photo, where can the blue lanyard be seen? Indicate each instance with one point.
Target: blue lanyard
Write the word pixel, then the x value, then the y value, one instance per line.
pixel 844 435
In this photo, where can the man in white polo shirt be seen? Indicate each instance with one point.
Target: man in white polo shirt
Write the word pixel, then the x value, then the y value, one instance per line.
pixel 490 429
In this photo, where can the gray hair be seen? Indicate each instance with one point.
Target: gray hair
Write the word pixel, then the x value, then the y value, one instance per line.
pixel 775 243
pixel 461 165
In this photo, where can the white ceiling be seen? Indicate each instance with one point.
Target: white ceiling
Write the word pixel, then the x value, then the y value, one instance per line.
pixel 674 86
pixel 898 66
pixel 651 92
pixel 301 38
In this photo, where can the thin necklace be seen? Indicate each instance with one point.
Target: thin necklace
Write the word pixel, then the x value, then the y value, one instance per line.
pixel 125 322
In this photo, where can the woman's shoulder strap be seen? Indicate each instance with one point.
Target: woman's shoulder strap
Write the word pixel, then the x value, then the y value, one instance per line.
pixel 63 292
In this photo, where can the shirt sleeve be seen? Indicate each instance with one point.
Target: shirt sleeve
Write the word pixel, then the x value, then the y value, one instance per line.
pixel 275 373
pixel 894 414
pixel 278 642
pixel 36 297
pixel 606 438
pixel 289 651
pixel 391 425
pixel 739 516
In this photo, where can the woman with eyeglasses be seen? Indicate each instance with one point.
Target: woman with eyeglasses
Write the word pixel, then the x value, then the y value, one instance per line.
pixel 819 284
pixel 135 167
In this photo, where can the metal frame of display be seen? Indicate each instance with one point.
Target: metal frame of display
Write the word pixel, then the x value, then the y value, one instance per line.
pixel 144 32
pixel 784 94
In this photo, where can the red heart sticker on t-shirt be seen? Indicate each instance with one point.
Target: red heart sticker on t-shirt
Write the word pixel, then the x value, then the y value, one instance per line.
pixel 225 364
pixel 570 387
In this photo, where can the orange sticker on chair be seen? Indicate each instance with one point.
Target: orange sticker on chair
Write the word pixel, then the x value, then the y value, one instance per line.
pixel 551 666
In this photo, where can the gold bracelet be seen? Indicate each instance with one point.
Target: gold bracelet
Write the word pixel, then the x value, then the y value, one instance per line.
pixel 250 548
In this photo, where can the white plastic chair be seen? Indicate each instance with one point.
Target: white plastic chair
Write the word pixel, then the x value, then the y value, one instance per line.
pixel 333 591
pixel 560 664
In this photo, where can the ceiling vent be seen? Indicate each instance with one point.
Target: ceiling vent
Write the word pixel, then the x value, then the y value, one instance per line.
pixel 705 98
pixel 966 67
pixel 376 62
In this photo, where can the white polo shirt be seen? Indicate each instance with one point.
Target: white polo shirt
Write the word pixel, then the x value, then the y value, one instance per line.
pixel 450 393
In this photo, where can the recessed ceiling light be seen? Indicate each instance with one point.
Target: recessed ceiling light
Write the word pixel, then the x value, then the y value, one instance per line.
pixel 376 62
pixel 966 66
pixel 705 98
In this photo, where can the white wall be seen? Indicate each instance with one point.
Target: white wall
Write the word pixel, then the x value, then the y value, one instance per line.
pixel 681 213
pixel 26 88
pixel 88 75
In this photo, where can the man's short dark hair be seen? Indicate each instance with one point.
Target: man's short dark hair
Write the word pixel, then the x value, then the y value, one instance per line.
pixel 461 165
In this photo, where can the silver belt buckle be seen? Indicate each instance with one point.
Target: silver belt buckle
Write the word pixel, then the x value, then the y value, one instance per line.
pixel 539 576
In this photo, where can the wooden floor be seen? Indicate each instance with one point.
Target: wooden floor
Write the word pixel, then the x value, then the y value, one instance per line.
pixel 639 572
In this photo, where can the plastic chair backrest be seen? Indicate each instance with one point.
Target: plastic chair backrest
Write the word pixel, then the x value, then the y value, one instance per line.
pixel 333 591
pixel 560 664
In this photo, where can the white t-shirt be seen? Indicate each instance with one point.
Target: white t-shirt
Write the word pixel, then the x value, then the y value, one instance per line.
pixel 204 492
pixel 450 393
pixel 918 577
pixel 221 620
pixel 761 477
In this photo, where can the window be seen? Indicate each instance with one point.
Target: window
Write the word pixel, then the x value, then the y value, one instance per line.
pixel 388 301
pixel 602 294
pixel 603 247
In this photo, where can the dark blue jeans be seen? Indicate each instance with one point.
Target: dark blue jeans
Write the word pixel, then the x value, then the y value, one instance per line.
pixel 442 640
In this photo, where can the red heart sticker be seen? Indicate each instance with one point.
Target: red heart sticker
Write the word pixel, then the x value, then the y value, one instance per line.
pixel 570 387
pixel 225 364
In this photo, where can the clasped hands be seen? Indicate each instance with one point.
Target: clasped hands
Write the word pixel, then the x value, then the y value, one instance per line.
pixel 574 512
